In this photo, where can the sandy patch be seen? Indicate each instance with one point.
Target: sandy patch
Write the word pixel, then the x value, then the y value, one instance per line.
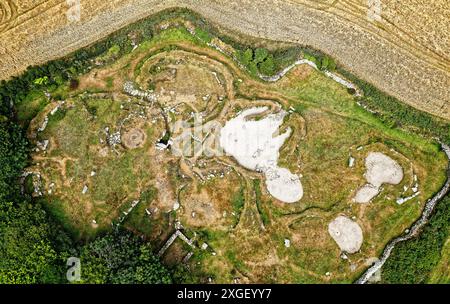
pixel 380 169
pixel 346 233
pixel 255 144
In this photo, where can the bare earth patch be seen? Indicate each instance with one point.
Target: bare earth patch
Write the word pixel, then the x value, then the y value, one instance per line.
pixel 382 169
pixel 366 193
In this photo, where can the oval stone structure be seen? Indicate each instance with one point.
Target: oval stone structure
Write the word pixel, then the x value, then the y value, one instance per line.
pixel 346 233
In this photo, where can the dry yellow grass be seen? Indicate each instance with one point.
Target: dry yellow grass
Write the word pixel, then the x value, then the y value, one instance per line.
pixel 405 52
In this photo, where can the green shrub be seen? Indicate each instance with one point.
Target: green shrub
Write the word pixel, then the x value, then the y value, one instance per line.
pixel 32 248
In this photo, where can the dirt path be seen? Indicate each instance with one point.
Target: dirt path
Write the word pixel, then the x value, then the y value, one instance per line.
pixel 410 68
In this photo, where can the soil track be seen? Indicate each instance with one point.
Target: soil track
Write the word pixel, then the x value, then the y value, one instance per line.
pixel 407 61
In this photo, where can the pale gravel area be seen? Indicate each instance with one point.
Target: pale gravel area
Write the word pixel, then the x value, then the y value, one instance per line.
pixel 346 233
pixel 419 81
pixel 380 169
pixel 255 144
